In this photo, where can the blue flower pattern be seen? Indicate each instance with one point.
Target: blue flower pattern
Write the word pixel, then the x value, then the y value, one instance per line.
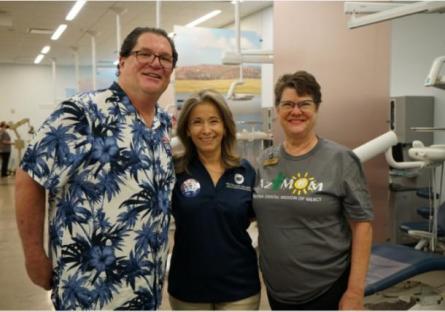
pixel 109 180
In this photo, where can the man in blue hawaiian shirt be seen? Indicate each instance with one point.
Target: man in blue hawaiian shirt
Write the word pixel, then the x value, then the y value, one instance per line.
pixel 104 160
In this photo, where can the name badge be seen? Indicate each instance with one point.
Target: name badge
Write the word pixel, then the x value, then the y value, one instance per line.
pixel 270 162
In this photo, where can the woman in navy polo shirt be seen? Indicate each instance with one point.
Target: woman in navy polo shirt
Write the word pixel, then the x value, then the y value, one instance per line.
pixel 213 266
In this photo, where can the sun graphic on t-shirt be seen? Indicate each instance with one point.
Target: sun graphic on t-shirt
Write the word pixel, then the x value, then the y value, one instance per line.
pixel 301 183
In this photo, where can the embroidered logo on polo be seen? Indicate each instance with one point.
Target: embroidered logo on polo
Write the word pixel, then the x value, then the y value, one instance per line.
pixel 190 188
pixel 298 184
pixel 239 178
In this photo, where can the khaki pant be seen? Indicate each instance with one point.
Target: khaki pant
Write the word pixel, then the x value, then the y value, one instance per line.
pixel 249 303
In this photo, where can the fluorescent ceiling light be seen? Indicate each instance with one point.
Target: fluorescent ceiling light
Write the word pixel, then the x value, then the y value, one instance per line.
pixel 203 18
pixel 39 58
pixel 75 10
pixel 59 31
pixel 45 49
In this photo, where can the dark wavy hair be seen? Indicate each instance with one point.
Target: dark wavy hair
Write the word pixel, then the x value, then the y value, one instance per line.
pixel 132 38
pixel 229 155
pixel 302 82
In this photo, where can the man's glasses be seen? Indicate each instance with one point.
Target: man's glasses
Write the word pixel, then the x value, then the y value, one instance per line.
pixel 148 57
pixel 305 105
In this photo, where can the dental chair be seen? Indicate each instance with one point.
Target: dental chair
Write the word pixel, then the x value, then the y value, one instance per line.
pixel 423 229
pixel 391 264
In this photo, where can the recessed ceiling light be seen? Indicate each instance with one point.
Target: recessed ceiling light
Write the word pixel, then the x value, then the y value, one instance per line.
pixel 75 10
pixel 45 49
pixel 39 58
pixel 59 31
pixel 203 18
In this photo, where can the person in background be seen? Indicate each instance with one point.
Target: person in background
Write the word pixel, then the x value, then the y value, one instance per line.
pixel 213 265
pixel 105 160
pixel 5 149
pixel 313 210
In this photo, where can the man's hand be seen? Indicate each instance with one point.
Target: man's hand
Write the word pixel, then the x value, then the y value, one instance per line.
pixel 40 271
pixel 352 301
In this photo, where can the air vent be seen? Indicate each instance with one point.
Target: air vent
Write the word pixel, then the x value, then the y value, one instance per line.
pixel 5 19
pixel 40 31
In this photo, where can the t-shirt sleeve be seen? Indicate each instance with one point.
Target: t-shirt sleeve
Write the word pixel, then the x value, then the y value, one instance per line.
pixel 59 146
pixel 357 201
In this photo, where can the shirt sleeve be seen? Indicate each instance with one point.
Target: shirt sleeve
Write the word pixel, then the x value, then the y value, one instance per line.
pixel 59 146
pixel 357 201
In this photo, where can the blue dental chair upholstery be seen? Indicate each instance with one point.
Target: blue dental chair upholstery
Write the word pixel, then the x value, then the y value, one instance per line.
pixel 391 264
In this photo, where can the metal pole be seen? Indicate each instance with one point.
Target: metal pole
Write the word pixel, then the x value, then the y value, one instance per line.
pixel 118 12
pixel 238 37
pixel 93 58
pixel 158 13
pixel 53 67
pixel 118 33
pixel 76 68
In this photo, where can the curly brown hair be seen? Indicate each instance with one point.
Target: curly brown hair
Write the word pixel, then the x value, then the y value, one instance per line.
pixel 302 82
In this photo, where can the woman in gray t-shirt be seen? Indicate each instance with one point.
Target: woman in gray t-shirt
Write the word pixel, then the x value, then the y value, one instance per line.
pixel 313 209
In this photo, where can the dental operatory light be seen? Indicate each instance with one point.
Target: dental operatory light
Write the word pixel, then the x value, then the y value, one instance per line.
pixel 45 49
pixel 396 12
pixel 203 18
pixel 252 57
pixel 39 58
pixel 75 10
pixel 59 31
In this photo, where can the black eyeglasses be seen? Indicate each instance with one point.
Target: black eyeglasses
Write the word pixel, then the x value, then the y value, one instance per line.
pixel 148 57
pixel 305 105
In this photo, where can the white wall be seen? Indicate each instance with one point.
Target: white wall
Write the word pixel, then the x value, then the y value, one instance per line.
pixel 27 91
pixel 416 41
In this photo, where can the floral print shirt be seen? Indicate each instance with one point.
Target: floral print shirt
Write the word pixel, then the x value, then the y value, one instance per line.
pixel 109 180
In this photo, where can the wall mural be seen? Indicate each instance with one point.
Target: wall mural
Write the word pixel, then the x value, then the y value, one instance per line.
pixel 200 66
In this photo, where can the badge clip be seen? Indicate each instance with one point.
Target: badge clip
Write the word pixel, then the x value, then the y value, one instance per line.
pixel 270 161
